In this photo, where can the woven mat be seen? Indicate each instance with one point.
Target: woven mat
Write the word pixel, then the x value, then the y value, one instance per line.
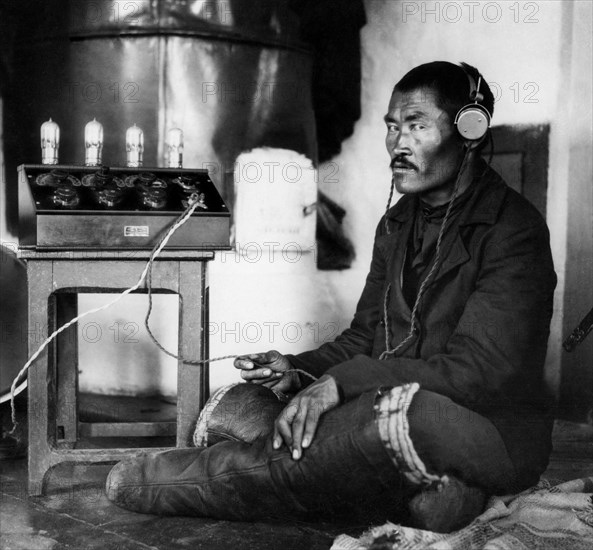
pixel 545 517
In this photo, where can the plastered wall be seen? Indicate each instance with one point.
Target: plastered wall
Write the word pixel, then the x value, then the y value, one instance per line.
pixel 522 48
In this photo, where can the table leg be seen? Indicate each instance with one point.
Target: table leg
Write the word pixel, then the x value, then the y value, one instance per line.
pixel 66 369
pixel 41 412
pixel 191 379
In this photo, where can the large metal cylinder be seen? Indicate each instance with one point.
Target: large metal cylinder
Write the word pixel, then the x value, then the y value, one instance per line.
pixel 230 73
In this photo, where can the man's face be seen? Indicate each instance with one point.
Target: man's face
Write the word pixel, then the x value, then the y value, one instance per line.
pixel 423 145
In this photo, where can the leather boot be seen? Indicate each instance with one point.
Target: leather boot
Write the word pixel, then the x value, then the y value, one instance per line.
pixel 448 507
pixel 238 412
pixel 345 473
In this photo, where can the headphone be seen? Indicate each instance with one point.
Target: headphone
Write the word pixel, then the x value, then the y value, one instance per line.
pixel 473 120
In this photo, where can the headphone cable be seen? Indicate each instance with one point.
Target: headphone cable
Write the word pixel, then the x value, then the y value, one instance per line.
pixel 435 265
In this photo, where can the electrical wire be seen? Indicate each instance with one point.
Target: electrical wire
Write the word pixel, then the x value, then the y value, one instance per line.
pixel 193 202
pixel 183 359
pixel 192 205
pixel 385 221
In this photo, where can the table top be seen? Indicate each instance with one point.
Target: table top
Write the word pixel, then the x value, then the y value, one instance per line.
pixel 123 255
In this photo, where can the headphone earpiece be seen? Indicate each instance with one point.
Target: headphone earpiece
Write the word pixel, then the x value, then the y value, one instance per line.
pixel 473 120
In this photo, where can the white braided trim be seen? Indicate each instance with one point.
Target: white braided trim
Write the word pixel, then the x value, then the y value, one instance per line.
pixel 394 430
pixel 201 431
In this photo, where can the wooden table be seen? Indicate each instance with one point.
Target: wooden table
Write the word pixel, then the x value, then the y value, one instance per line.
pixel 54 280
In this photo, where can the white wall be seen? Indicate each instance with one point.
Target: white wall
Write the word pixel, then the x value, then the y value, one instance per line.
pixel 392 44
pixel 523 47
pixel 571 200
pixel 524 59
pixel 263 294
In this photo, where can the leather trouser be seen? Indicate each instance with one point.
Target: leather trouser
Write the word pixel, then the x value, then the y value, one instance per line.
pixel 350 470
pixel 346 472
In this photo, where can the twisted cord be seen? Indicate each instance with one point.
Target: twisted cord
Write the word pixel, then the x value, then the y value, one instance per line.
pixel 193 203
pixel 387 230
pixel 410 335
pixel 195 361
pixel 427 280
pixel 386 298
pixel 178 357
pixel 198 361
pixel 146 274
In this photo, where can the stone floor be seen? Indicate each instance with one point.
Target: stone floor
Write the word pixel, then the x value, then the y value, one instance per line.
pixel 75 514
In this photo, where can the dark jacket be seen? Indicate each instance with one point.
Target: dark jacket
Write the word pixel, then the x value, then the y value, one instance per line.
pixel 483 324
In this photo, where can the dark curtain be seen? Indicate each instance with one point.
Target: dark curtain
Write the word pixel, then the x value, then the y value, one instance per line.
pixel 332 28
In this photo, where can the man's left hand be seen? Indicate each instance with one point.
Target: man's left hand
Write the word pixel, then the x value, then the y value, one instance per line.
pixel 297 423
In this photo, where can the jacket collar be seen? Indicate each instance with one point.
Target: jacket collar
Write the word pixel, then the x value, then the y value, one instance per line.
pixel 482 207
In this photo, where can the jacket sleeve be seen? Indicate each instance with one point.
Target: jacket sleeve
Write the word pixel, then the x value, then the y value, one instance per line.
pixel 499 342
pixel 359 337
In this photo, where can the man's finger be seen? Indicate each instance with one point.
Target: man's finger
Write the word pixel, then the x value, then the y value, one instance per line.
pixel 313 415
pixel 282 433
pixel 248 361
pixel 282 426
pixel 256 374
pixel 243 364
pixel 270 356
pixel 298 425
pixel 255 356
pixel 276 438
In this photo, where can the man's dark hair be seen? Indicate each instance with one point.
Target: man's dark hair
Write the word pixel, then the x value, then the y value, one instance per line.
pixel 450 84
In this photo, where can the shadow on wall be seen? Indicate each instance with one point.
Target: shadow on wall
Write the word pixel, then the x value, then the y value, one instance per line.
pixel 13 317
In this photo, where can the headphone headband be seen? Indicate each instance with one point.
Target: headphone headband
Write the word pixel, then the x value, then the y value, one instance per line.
pixel 474 89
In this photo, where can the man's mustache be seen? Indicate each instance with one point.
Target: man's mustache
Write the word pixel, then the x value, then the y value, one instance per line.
pixel 403 163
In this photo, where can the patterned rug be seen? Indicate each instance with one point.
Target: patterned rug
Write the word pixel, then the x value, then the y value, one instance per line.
pixel 545 517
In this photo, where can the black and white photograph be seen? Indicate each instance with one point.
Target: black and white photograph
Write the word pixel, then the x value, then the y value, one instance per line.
pixel 296 274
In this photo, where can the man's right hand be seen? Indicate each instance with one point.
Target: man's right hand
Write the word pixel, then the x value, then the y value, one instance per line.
pixel 269 369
